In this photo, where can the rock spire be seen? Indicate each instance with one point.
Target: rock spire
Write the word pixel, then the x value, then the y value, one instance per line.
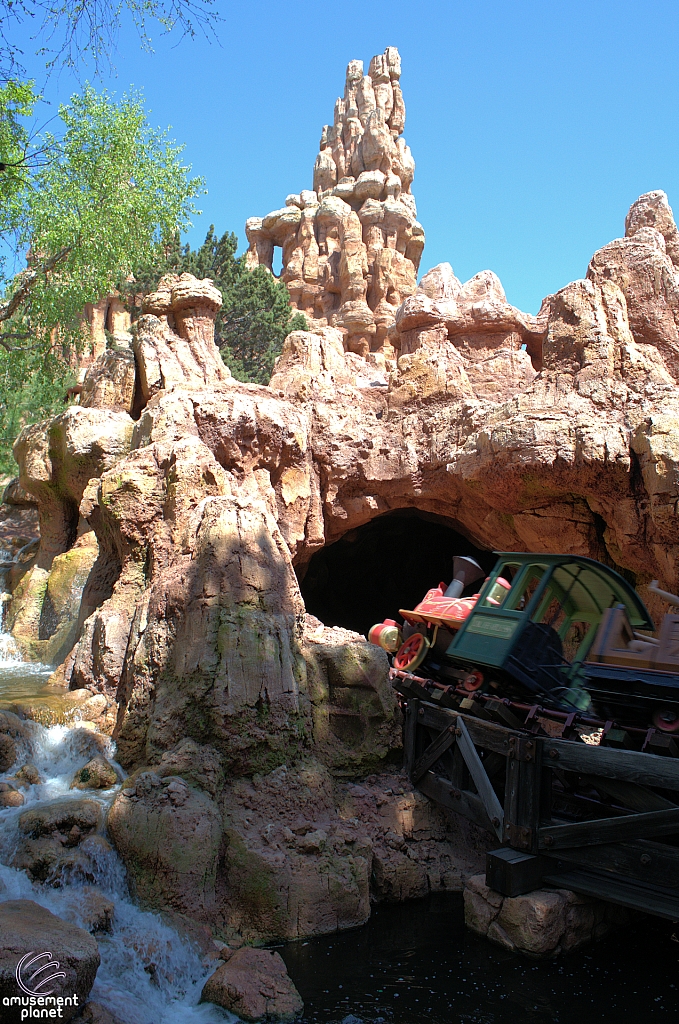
pixel 352 245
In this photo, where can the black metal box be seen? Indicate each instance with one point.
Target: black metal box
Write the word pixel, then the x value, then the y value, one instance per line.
pixel 512 873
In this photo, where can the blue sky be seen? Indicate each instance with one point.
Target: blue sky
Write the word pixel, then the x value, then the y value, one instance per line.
pixel 534 125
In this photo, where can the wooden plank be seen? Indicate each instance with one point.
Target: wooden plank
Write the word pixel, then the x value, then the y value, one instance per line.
pixel 484 734
pixel 630 794
pixel 648 863
pixel 631 765
pixel 469 805
pixel 433 752
pixel 618 890
pixel 409 736
pixel 458 773
pixel 523 794
pixel 609 830
pixel 512 794
pixel 480 778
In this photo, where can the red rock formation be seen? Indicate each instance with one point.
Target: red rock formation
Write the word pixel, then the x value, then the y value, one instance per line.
pixel 202 507
pixel 352 246
pixel 551 433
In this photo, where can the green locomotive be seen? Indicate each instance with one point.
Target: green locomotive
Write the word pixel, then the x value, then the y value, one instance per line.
pixel 561 631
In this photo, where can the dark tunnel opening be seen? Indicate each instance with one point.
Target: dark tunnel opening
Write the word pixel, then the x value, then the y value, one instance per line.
pixel 387 564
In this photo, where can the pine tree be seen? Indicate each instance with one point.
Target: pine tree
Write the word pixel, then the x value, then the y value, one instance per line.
pixel 255 317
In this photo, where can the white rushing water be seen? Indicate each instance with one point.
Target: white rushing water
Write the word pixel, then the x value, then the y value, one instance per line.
pixel 149 974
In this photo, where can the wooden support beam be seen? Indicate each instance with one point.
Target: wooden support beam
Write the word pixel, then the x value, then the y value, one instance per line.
pixel 433 752
pixel 409 730
pixel 652 864
pixel 492 805
pixel 629 794
pixel 631 765
pixel 484 734
pixel 609 830
pixel 523 793
pixel 469 805
pixel 661 903
pixel 613 858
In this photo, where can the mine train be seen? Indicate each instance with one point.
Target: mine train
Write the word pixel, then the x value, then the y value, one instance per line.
pixel 560 633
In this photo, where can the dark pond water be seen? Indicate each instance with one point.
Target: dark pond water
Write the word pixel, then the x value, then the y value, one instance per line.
pixel 416 962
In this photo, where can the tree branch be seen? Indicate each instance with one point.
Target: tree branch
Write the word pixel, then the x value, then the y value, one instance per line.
pixel 19 336
pixel 28 280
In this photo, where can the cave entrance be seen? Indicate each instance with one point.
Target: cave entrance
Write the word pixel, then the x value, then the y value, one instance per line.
pixel 387 564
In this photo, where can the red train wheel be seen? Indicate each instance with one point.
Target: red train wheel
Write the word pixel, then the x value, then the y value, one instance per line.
pixel 666 720
pixel 411 653
pixel 473 682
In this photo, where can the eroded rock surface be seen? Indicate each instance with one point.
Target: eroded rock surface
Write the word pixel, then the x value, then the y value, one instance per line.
pixel 255 985
pixel 352 244
pixel 169 836
pixel 288 854
pixel 542 923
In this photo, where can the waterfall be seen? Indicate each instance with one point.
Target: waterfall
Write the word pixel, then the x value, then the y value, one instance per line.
pixel 149 974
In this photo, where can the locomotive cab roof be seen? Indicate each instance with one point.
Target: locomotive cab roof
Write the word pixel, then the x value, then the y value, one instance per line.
pixel 591 585
pixel 540 628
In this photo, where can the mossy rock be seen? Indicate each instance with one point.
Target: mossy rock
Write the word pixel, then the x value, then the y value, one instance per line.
pixel 45 607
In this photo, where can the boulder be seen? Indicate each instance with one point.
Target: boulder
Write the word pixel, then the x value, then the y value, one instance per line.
pixel 28 775
pixel 28 929
pixel 10 796
pixel 8 752
pixel 64 858
pixel 96 774
pixel 89 909
pixel 43 613
pixel 58 842
pixel 61 816
pixel 542 923
pixel 95 1013
pixel 255 985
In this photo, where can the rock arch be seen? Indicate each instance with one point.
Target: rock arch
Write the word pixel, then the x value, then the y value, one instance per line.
pixel 386 564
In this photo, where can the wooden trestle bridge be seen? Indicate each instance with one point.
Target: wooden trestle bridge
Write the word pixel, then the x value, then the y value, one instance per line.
pixel 600 820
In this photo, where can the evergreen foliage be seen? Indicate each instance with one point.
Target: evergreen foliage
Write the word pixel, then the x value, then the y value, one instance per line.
pixel 255 317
